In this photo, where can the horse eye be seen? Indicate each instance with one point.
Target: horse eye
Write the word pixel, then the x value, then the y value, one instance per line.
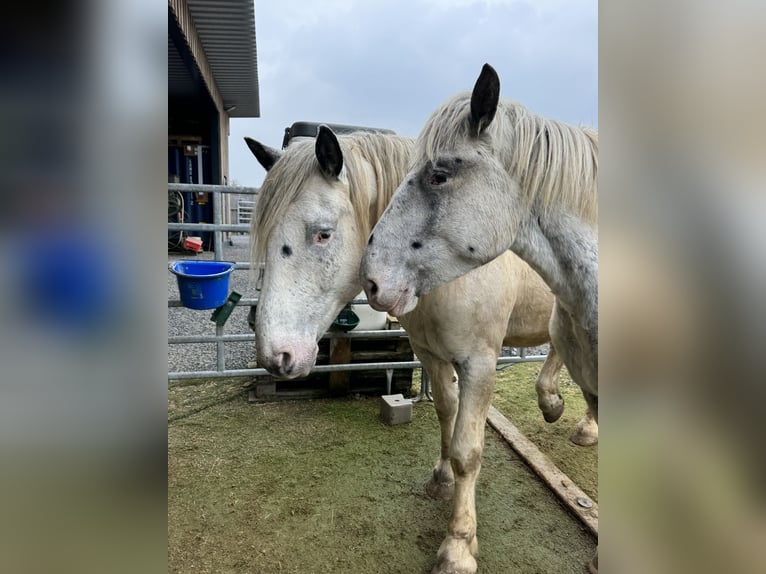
pixel 322 237
pixel 437 178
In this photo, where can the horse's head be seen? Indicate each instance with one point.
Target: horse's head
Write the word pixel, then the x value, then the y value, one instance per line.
pixel 446 217
pixel 306 232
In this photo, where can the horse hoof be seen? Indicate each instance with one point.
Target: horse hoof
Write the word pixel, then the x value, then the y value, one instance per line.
pixel 586 433
pixel 440 490
pixel 455 556
pixel 583 438
pixel 441 486
pixel 552 409
pixel 553 416
pixel 464 567
pixel 449 569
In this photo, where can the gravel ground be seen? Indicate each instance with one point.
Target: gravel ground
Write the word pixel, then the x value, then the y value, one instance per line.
pixel 182 321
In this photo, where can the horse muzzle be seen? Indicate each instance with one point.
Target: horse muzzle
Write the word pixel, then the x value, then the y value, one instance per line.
pixel 395 302
pixel 289 361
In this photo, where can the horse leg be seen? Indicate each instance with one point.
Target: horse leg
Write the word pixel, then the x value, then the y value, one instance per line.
pixel 586 431
pixel 592 401
pixel 441 485
pixel 549 398
pixel 476 377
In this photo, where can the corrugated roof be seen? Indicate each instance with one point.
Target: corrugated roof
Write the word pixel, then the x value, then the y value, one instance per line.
pixel 226 29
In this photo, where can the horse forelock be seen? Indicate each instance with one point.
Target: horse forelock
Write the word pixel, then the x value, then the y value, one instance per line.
pixel 447 128
pixel 388 156
pixel 554 163
pixel 282 185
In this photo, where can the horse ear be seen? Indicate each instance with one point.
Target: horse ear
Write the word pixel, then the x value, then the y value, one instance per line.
pixel 484 98
pixel 265 155
pixel 328 152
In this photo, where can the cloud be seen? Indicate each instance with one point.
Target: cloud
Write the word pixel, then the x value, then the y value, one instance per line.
pixel 390 64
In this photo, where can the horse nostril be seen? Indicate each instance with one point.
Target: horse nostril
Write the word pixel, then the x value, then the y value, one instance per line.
pixel 372 287
pixel 286 361
pixel 283 362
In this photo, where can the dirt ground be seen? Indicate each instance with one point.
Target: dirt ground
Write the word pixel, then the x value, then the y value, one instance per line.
pixel 515 397
pixel 323 487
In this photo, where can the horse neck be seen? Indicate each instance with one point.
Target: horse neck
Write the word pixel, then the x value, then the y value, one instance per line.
pixel 563 249
pixel 556 241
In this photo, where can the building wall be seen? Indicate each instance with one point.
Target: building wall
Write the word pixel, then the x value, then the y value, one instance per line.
pixel 198 111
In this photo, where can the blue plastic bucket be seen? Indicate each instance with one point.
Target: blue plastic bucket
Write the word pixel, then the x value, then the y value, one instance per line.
pixel 202 284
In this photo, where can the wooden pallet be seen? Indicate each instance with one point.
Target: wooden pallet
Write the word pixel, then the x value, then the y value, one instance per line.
pixel 342 351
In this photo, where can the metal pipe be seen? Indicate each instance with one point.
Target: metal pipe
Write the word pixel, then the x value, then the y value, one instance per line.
pixel 424 393
pixel 241 302
pixel 316 369
pixel 220 349
pixel 206 188
pixel 217 234
pixel 207 227
pixel 175 376
pixel 254 301
pixel 381 334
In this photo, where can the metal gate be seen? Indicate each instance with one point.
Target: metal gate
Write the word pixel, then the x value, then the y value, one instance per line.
pixel 220 338
pixel 245 211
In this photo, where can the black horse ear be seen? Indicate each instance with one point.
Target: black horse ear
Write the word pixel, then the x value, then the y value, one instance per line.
pixel 484 99
pixel 328 152
pixel 265 155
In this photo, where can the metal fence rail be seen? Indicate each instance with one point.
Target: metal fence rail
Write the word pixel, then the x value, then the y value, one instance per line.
pixel 335 368
pixel 220 339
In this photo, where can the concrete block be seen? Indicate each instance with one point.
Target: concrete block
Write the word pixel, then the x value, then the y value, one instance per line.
pixel 395 409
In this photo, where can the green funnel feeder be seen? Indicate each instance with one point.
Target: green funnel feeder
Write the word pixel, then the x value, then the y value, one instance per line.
pixel 346 320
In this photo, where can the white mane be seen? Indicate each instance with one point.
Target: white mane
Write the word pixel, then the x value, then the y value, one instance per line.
pixel 553 162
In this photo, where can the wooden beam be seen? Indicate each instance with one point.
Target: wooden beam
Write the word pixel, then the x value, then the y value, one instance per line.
pixel 340 353
pixel 560 483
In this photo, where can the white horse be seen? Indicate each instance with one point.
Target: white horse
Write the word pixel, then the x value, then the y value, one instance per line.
pixel 315 210
pixel 491 176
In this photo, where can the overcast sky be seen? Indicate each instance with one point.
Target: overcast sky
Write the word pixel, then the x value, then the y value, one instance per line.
pixel 390 63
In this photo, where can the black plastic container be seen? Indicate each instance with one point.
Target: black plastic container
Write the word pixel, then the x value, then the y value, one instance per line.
pixel 309 130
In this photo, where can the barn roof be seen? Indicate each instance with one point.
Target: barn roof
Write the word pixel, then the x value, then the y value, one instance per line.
pixel 224 32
